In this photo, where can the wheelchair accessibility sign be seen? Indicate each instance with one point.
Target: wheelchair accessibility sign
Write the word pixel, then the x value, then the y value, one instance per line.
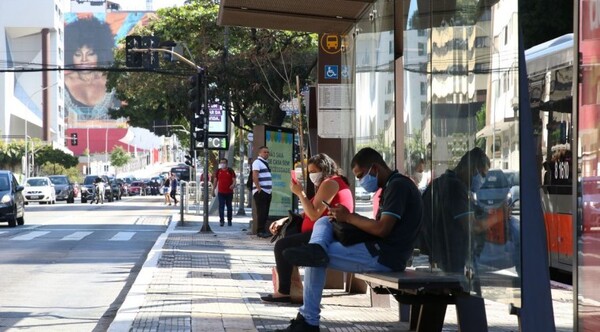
pixel 331 72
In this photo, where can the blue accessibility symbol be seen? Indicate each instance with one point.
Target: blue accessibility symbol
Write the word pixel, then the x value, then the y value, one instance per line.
pixel 331 72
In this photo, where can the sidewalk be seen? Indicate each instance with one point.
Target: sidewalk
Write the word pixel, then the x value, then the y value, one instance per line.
pixel 195 281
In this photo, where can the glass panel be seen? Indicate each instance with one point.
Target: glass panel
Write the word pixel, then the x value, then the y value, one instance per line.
pixel 470 68
pixel 373 41
pixel 588 294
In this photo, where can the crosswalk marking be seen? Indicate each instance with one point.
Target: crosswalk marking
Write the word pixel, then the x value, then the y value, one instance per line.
pixel 2 232
pixel 122 236
pixel 29 236
pixel 76 236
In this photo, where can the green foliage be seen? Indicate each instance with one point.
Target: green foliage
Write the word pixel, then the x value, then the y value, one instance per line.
pixel 251 70
pixel 119 157
pixel 47 154
pixel 49 168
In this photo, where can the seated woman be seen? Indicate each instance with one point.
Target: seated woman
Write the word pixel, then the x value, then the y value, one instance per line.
pixel 332 188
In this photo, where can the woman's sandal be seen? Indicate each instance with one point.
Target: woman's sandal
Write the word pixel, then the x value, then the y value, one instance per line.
pixel 271 299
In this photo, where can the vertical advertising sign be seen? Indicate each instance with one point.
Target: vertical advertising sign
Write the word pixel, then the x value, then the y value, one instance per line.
pixel 280 142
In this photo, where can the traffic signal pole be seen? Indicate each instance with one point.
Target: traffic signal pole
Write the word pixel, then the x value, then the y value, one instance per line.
pixel 200 72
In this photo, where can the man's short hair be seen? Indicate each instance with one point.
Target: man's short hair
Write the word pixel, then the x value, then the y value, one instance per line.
pixel 224 159
pixel 367 157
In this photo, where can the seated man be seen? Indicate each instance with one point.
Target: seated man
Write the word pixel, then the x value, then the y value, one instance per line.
pixel 396 227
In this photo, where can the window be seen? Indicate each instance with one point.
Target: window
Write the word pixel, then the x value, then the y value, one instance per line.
pixel 423 88
pixel 421 47
pixel 482 41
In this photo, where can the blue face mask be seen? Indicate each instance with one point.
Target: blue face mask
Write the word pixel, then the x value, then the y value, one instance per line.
pixel 476 182
pixel 369 182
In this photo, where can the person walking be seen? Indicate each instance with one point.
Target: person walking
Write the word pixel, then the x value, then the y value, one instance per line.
pixel 224 183
pixel 166 188
pixel 174 182
pixel 100 188
pixel 261 191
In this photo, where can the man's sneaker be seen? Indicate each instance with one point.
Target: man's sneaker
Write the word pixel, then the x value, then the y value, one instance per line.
pixel 311 254
pixel 299 325
pixel 221 223
pixel 229 223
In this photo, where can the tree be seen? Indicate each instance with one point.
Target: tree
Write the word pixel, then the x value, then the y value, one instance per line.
pixel 247 70
pixel 47 154
pixel 119 157
pixel 49 168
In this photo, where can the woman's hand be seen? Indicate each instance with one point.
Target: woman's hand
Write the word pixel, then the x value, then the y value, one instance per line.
pixel 276 225
pixel 339 213
pixel 296 188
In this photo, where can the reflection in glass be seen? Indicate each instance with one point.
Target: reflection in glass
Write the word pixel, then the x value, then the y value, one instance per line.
pixel 460 70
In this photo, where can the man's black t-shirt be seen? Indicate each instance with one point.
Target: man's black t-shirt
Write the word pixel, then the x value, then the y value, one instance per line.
pixel 401 199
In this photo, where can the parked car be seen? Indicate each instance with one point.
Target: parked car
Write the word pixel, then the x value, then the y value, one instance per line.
pixel 124 187
pixel 12 203
pixel 87 188
pixel 63 188
pixel 137 188
pixel 39 189
pixel 115 188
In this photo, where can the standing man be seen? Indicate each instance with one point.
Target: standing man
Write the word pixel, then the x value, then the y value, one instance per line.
pixel 261 191
pixel 224 182
pixel 174 183
pixel 395 229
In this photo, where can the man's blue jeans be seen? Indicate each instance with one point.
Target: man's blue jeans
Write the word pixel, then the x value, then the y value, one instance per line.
pixel 225 199
pixel 355 258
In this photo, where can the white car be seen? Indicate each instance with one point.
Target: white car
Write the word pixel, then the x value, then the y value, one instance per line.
pixel 39 189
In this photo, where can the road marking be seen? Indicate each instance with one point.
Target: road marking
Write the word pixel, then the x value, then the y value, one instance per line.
pixel 29 236
pixel 76 236
pixel 3 232
pixel 123 236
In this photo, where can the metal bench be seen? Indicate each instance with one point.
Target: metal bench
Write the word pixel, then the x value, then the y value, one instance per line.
pixel 424 296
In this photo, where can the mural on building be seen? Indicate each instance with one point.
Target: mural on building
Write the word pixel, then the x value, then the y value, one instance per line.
pixel 90 39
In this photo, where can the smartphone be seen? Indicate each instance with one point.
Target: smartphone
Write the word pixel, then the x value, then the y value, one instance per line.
pixel 326 204
pixel 294 178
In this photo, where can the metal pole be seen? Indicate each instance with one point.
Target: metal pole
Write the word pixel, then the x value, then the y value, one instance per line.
pixel 205 226
pixel 182 200
pixel 241 211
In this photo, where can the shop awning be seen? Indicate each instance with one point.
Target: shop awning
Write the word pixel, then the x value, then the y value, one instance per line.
pixel 319 16
pixel 490 130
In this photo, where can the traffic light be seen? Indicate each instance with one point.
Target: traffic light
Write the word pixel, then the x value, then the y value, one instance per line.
pixel 189 160
pixel 74 140
pixel 133 59
pixel 194 104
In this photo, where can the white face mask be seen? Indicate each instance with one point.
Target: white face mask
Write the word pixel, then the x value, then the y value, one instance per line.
pixel 222 166
pixel 316 178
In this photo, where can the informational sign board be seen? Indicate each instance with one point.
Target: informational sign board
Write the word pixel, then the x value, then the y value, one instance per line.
pixel 217 119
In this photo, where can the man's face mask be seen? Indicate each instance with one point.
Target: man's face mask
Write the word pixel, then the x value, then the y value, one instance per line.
pixel 369 182
pixel 476 182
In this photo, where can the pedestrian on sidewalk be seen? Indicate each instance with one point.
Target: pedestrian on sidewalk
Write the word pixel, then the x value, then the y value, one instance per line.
pixel 174 182
pixel 166 188
pixel 261 191
pixel 331 188
pixel 224 184
pixel 395 231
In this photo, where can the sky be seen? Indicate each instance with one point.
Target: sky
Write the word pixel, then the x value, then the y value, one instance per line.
pixel 141 4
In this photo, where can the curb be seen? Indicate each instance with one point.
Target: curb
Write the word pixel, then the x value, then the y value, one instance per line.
pixel 137 294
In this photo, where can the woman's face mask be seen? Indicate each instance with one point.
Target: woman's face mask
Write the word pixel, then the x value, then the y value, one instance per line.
pixel 369 182
pixel 222 166
pixel 316 178
pixel 476 182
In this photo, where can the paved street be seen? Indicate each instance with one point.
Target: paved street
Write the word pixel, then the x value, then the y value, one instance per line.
pixel 69 267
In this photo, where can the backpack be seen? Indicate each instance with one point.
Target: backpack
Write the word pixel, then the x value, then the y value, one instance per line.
pixel 249 181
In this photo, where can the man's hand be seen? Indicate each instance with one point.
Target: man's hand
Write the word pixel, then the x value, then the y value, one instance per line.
pixel 339 213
